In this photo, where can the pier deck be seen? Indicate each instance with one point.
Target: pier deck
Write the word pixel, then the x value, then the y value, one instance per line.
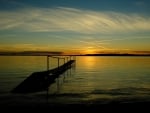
pixel 39 81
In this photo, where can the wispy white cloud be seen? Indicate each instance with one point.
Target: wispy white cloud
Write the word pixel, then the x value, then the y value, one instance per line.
pixel 70 19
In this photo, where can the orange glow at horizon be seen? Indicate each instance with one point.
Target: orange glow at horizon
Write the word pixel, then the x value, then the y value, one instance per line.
pixel 89 50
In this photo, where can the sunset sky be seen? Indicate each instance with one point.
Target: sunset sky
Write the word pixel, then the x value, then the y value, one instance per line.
pixel 75 26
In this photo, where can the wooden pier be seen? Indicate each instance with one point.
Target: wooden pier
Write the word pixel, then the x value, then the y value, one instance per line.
pixel 40 81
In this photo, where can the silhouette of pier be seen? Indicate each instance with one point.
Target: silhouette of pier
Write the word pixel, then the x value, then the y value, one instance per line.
pixel 40 81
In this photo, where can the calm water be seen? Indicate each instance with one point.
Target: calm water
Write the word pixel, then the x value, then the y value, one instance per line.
pixel 94 79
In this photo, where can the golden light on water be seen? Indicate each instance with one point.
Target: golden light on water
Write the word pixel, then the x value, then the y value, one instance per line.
pixel 90 61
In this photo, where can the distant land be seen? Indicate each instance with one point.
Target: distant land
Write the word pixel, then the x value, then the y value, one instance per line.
pixel 30 53
pixel 57 53
pixel 116 54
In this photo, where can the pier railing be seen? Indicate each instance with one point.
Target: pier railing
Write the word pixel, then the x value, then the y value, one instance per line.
pixel 65 58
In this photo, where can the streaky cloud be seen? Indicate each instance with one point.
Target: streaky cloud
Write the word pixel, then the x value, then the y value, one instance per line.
pixel 71 19
pixel 22 47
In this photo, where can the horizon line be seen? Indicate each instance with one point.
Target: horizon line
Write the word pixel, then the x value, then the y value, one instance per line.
pixel 58 53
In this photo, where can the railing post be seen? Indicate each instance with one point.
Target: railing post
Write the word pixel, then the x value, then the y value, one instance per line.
pixel 47 63
pixel 64 60
pixel 74 61
pixel 58 62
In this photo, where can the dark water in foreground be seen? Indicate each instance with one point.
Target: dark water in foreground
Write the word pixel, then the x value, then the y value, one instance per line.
pixel 94 80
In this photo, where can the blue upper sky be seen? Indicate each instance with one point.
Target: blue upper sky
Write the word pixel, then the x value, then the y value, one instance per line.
pixel 75 25
pixel 138 6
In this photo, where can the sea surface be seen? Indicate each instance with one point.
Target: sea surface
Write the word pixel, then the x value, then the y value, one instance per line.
pixel 94 79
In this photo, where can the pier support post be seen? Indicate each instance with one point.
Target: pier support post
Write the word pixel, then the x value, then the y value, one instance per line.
pixel 47 79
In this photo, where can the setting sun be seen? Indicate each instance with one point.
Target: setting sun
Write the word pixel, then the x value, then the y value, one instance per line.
pixel 89 50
